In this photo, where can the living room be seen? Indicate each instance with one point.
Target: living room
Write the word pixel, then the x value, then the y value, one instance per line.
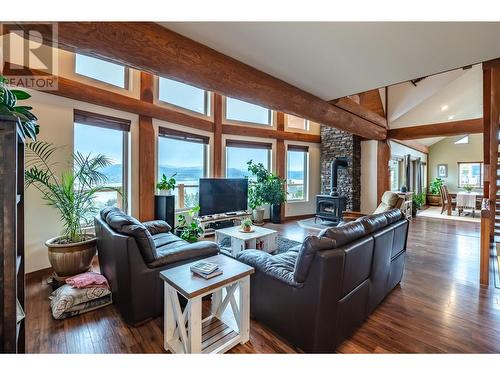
pixel 174 193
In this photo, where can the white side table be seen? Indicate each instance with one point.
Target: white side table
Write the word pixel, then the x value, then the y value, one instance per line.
pixel 186 331
pixel 248 240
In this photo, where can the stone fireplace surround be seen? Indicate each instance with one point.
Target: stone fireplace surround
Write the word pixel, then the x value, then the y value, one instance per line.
pixel 337 143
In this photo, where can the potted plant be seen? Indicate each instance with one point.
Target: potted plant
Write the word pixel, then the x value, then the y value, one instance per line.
pixel 189 231
pixel 271 189
pixel 8 100
pixel 434 194
pixel 418 200
pixel 166 185
pixel 468 187
pixel 72 194
pixel 246 225
pixel 255 202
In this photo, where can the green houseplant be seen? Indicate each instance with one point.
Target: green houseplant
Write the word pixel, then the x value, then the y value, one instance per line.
pixel 468 187
pixel 72 193
pixel 418 200
pixel 246 225
pixel 271 188
pixel 255 202
pixel 8 106
pixel 434 194
pixel 189 231
pixel 166 184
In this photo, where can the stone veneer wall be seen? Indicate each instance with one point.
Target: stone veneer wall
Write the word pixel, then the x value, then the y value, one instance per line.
pixel 337 143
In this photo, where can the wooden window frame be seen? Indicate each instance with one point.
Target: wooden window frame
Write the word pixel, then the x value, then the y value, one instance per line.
pixel 250 145
pixel 114 123
pixel 207 101
pixel 226 120
pixel 305 150
pixel 126 72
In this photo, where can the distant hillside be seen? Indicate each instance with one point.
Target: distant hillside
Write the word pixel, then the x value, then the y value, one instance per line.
pixel 114 173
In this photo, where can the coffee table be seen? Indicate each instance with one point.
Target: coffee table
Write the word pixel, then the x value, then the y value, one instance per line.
pixel 248 240
pixel 216 333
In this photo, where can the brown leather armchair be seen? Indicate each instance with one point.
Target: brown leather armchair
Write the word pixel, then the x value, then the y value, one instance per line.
pixel 390 200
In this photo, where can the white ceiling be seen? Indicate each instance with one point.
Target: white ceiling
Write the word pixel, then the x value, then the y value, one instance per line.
pixel 430 141
pixel 335 59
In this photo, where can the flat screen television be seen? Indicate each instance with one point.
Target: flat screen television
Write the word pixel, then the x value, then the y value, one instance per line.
pixel 221 195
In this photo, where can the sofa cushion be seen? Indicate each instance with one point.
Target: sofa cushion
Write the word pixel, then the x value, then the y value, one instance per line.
pixel 393 215
pixel 172 251
pixel 305 256
pixel 372 223
pixel 157 226
pixel 127 225
pixel 345 233
pixel 389 201
pixel 107 210
pixel 279 267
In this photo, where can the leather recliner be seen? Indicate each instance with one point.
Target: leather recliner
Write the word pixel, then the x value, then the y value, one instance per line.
pixel 315 295
pixel 131 256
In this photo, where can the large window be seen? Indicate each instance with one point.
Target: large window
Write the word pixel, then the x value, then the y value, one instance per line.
pixel 238 110
pixel 396 173
pixel 98 134
pixel 184 96
pixel 470 174
pixel 185 156
pixel 238 153
pixel 101 70
pixel 297 162
pixel 295 122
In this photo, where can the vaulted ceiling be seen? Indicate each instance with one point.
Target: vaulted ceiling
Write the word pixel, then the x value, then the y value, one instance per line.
pixel 335 59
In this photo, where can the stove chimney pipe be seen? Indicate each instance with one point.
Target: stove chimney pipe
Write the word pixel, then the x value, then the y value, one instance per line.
pixel 336 164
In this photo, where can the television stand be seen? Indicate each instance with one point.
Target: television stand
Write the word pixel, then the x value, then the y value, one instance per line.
pixel 210 223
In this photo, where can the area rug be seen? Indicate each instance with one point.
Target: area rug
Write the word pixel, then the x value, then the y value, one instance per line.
pixel 435 212
pixel 284 244
pixel 318 225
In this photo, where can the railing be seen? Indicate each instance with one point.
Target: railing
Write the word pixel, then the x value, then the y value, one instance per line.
pixel 484 257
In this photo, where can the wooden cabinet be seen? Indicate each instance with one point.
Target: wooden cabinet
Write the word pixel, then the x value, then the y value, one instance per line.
pixel 12 306
pixel 407 205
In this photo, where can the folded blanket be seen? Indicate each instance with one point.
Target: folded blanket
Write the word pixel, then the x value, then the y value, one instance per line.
pixel 87 279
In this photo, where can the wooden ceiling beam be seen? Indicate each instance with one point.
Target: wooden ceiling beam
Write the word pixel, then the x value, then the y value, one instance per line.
pixel 443 129
pixel 150 47
pixel 359 110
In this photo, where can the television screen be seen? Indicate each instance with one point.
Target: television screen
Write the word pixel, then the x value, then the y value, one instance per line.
pixel 221 195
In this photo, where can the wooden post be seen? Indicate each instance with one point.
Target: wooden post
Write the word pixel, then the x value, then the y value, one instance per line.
pixel 281 154
pixel 147 159
pixel 217 147
pixel 383 173
pixel 484 258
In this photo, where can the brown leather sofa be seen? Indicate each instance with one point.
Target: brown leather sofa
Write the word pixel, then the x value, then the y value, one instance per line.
pixel 131 256
pixel 315 295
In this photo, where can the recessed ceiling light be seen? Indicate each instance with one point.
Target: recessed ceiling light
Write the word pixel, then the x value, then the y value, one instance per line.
pixel 444 107
pixel 451 117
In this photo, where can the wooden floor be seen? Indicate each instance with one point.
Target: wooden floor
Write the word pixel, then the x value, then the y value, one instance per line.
pixel 438 308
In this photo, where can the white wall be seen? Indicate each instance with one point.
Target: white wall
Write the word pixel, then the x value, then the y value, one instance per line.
pixel 368 176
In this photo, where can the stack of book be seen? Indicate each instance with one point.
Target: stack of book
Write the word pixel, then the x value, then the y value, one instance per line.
pixel 207 270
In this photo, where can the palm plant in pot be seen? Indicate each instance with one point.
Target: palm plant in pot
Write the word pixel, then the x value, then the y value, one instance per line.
pixel 72 193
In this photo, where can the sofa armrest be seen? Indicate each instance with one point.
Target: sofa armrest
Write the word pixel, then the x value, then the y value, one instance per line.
pixel 269 265
pixel 157 226
pixel 351 215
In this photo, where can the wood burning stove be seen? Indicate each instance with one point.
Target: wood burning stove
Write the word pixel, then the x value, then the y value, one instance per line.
pixel 330 207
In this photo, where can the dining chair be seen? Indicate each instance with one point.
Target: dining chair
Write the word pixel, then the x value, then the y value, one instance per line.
pixel 443 199
pixel 448 201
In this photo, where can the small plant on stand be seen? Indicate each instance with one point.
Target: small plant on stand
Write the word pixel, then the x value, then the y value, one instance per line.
pixel 246 225
pixel 166 184
pixel 468 187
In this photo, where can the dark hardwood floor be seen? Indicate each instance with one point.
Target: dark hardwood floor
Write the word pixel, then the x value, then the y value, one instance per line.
pixel 438 308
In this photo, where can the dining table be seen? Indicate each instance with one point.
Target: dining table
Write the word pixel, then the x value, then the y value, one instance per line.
pixel 467 200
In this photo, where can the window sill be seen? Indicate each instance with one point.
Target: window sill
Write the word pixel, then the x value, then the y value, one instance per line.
pixel 297 201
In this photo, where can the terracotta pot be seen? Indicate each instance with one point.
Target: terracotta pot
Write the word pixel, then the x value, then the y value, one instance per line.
pixel 433 199
pixel 246 229
pixel 71 259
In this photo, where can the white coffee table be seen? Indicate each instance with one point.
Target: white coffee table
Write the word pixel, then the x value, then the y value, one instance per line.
pixel 248 240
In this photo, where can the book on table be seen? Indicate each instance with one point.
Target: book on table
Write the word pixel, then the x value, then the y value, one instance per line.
pixel 205 269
